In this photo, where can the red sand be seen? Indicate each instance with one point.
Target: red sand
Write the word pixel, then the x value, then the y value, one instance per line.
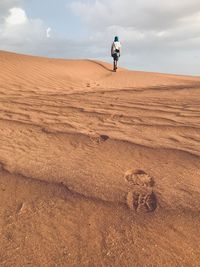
pixel 97 168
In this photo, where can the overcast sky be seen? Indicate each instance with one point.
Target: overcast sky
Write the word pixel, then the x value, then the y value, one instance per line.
pixel 161 36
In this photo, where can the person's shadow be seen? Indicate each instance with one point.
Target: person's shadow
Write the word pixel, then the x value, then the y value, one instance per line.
pixel 100 64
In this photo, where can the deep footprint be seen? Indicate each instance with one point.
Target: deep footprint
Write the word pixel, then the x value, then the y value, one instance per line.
pixel 139 177
pixel 142 201
pixel 99 139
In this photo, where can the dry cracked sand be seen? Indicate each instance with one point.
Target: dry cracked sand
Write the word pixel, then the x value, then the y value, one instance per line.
pixel 97 168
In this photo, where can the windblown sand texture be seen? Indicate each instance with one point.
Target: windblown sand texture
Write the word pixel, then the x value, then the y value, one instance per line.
pixel 97 168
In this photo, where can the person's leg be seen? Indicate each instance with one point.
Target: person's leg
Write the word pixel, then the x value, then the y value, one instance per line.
pixel 115 59
pixel 113 56
pixel 114 64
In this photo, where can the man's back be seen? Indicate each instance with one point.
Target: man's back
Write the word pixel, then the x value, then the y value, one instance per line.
pixel 116 47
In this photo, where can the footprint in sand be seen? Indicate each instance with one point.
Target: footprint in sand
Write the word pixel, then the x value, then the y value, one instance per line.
pixel 141 197
pixel 141 201
pixel 99 139
pixel 88 84
pixel 139 177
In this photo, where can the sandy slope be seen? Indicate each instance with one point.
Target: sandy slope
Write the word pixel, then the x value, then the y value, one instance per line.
pixel 97 168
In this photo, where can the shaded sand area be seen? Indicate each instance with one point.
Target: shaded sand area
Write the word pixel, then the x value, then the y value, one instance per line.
pixel 97 168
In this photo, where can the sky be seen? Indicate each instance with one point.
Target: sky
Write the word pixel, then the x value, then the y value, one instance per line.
pixel 158 36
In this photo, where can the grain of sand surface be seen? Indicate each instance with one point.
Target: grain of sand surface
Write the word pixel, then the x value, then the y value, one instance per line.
pixel 97 168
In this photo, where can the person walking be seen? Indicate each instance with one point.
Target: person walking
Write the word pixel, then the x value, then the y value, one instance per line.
pixel 115 52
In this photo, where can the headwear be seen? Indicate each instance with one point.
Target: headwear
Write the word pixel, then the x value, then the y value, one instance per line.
pixel 116 39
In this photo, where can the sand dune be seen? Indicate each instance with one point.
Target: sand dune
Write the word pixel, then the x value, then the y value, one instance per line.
pixel 97 168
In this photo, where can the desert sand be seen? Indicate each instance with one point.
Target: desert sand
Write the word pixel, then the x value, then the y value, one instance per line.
pixel 97 168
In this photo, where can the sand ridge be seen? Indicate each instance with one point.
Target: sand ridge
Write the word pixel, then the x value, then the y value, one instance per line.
pixel 100 168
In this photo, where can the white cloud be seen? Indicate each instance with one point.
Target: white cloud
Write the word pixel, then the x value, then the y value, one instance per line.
pixel 18 27
pixel 18 32
pixel 17 16
pixel 48 32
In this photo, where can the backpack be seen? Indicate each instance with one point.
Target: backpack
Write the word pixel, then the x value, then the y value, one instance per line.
pixel 116 46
